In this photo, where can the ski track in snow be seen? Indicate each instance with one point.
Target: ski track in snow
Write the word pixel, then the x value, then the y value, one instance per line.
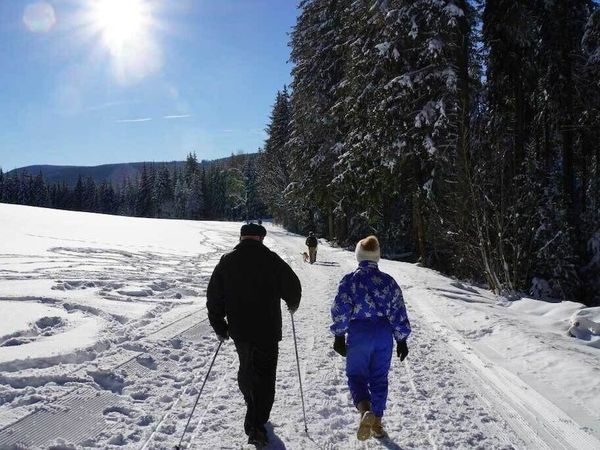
pixel 135 387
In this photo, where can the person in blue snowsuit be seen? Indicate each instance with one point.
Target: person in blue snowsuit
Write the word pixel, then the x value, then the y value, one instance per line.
pixel 370 310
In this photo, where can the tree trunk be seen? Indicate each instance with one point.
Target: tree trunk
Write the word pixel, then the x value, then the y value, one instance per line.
pixel 568 166
pixel 419 225
pixel 330 221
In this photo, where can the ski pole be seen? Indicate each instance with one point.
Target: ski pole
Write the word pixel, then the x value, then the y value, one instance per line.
pixel 299 377
pixel 178 447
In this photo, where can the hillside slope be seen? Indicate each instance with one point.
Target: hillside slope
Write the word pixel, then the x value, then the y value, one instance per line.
pixel 113 173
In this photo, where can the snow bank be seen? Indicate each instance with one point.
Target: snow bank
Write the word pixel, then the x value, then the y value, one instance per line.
pixel 571 318
pixel 585 325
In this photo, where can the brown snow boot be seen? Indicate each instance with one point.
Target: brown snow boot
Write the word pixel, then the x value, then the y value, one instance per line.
pixel 377 429
pixel 367 419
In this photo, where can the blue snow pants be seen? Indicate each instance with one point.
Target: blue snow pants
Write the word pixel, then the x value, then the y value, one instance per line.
pixel 369 355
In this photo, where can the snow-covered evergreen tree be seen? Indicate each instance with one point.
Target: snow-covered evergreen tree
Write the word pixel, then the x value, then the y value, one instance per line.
pixel 195 200
pixel 274 174
pixel 106 198
pixel 235 194
pixel 255 208
pixel 318 53
pixel 144 204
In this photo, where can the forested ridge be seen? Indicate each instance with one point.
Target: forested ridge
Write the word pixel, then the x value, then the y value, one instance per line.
pixel 217 190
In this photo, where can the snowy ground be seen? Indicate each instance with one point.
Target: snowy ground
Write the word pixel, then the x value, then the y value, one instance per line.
pixel 104 342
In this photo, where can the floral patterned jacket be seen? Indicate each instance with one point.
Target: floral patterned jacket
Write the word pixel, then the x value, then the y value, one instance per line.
pixel 367 294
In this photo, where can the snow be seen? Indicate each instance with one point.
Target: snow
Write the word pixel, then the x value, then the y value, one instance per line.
pixel 15 320
pixel 109 332
pixel 383 48
pixel 435 46
pixel 43 334
pixel 585 325
pixel 453 10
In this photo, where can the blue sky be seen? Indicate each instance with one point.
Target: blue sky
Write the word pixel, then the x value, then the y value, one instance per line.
pixel 83 84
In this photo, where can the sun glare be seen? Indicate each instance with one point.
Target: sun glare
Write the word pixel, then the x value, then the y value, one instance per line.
pixel 126 31
pixel 121 22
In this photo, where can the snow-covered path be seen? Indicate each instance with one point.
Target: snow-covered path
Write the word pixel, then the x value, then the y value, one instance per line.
pixel 446 395
pixel 112 345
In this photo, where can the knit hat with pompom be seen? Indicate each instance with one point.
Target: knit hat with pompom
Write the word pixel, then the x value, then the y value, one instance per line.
pixel 367 249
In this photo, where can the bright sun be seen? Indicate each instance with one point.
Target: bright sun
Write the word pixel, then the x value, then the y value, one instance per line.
pixel 121 22
pixel 126 30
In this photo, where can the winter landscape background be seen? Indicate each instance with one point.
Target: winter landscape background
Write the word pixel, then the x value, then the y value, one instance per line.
pixel 464 134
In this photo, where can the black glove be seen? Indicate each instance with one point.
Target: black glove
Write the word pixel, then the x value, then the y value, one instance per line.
pixel 402 350
pixel 223 337
pixel 339 345
pixel 292 309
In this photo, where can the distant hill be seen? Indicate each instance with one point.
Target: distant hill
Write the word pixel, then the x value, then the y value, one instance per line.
pixel 113 173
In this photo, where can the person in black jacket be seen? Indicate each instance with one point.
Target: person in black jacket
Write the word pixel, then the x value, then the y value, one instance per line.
pixel 244 302
pixel 311 243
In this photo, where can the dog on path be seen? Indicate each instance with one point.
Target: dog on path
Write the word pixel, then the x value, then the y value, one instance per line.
pixel 305 257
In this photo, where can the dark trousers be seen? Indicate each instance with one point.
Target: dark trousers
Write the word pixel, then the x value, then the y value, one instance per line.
pixel 256 379
pixel 312 254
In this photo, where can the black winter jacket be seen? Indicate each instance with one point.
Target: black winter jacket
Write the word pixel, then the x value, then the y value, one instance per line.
pixel 311 241
pixel 246 287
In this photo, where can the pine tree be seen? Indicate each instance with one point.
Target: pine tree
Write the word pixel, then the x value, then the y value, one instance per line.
pixel 89 199
pixel 39 194
pixel 195 200
pixel 163 193
pixel 566 140
pixel 60 196
pixel 219 190
pixel 255 208
pixel 143 204
pixel 235 194
pixel 11 189
pixel 77 202
pixel 128 197
pixel 191 168
pixel 456 234
pixel 181 195
pixel 106 198
pixel 509 32
pixel 562 27
pixel 275 161
pixel 589 122
pixel 318 52
pixel 206 191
